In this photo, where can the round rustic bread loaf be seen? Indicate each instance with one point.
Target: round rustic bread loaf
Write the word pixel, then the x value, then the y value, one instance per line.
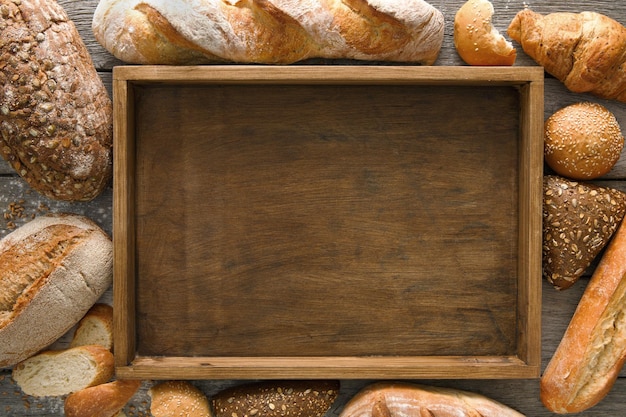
pixel 583 141
pixel 52 271
pixel 178 398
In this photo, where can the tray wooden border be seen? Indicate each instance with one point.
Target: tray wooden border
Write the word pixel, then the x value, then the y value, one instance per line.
pixel 525 364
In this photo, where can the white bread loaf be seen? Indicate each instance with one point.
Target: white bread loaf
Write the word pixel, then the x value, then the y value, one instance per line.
pixel 56 117
pixel 592 352
pixel 52 271
pixel 403 399
pixel 104 400
pixel 61 372
pixel 95 328
pixel 268 31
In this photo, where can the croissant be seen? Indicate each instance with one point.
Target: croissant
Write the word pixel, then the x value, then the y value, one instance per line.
pixel 586 51
pixel 268 31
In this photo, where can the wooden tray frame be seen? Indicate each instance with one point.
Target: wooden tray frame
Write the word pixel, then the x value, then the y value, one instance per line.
pixel 525 364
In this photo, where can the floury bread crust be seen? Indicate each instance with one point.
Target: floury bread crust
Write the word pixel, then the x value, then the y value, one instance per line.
pixel 269 31
pixel 52 271
pixel 403 399
pixel 56 118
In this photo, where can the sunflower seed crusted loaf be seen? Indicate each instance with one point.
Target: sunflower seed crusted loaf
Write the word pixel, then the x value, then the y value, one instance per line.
pixel 277 398
pixel 55 113
pixel 579 219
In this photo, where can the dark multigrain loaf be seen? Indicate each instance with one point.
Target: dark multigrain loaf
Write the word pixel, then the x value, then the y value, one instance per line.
pixel 277 398
pixel 579 219
pixel 55 113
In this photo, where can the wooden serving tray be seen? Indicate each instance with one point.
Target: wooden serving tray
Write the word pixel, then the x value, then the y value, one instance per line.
pixel 327 222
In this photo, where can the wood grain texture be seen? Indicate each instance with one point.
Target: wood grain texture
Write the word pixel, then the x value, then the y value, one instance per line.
pixel 558 307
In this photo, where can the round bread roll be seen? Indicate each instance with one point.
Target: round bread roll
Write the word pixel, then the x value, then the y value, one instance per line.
pixel 583 141
pixel 476 40
pixel 178 398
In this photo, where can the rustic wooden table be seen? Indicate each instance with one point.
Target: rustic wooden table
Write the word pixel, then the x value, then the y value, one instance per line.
pixel 19 203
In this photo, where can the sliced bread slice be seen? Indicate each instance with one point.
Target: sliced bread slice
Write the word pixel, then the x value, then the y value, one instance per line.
pixel 61 372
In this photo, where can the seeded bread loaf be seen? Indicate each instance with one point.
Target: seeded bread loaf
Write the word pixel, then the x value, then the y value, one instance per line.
pixel 104 400
pixel 96 328
pixel 277 398
pixel 61 372
pixel 403 399
pixel 55 113
pixel 52 271
pixel 579 219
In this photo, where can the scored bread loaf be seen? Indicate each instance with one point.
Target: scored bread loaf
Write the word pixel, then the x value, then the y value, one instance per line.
pixel 268 31
pixel 61 372
pixel 104 400
pixel 56 118
pixel 586 51
pixel 95 328
pixel 178 399
pixel 277 398
pixel 404 399
pixel 53 269
pixel 592 352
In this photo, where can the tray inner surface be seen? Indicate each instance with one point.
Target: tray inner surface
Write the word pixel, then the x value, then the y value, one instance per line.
pixel 326 220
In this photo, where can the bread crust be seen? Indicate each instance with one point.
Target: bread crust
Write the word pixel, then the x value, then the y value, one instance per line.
pixel 592 351
pixel 268 31
pixel 104 400
pixel 56 117
pixel 476 40
pixel 404 399
pixel 60 288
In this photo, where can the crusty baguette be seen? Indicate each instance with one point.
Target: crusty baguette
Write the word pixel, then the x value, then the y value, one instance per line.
pixel 61 372
pixel 95 328
pixel 104 400
pixel 54 268
pixel 277 398
pixel 586 51
pixel 404 399
pixel 56 117
pixel 268 31
pixel 178 399
pixel 592 351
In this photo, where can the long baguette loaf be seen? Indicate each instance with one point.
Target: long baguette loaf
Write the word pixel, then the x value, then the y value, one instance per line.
pixel 268 31
pixel 103 400
pixel 56 118
pixel 52 270
pixel 593 349
pixel 403 399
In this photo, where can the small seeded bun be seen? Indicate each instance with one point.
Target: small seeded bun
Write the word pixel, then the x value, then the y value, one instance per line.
pixel 583 141
pixel 476 40
pixel 178 399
